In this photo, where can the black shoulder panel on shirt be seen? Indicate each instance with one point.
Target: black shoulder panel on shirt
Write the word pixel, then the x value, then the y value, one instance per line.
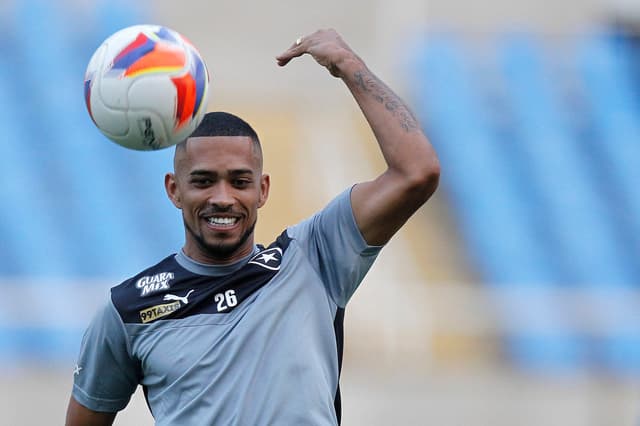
pixel 168 291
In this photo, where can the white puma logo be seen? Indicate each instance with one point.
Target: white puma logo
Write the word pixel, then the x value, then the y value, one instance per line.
pixel 184 299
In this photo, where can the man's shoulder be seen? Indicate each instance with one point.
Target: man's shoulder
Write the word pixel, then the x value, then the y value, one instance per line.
pixel 327 219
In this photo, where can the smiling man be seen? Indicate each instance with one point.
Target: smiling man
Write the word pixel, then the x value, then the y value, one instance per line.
pixel 219 186
pixel 230 332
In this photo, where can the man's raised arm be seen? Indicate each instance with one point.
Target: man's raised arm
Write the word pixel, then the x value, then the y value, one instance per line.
pixel 383 205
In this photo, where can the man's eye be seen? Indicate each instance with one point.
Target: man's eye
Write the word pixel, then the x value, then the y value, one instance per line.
pixel 241 182
pixel 201 182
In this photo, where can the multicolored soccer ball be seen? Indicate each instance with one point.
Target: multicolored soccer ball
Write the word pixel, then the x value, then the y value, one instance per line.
pixel 146 87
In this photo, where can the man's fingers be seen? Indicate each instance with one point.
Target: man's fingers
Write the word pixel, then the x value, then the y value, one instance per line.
pixel 295 50
pixel 284 58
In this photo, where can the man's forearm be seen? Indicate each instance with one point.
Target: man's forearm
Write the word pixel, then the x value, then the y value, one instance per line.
pixel 402 142
pixel 367 82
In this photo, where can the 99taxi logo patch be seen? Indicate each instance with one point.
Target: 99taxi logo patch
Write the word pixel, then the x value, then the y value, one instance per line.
pixel 158 311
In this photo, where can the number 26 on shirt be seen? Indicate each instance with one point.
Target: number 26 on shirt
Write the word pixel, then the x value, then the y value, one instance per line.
pixel 225 300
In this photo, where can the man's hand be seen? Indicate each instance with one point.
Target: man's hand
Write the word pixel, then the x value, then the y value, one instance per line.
pixel 326 47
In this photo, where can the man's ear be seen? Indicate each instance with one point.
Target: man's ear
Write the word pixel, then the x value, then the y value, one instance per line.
pixel 265 183
pixel 171 186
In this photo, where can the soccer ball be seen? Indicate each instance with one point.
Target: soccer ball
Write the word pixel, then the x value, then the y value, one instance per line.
pixel 146 87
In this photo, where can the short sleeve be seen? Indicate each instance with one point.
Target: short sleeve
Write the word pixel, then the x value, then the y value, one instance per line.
pixel 336 248
pixel 106 375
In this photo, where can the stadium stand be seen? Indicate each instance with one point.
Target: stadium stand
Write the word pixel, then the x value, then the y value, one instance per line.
pixel 61 222
pixel 65 180
pixel 540 141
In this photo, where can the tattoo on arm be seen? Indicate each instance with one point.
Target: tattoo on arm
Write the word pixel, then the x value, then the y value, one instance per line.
pixel 369 83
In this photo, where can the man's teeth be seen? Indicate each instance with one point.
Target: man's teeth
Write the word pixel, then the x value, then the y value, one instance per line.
pixel 222 220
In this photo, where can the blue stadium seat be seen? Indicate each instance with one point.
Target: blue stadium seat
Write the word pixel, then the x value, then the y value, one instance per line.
pixel 605 71
pixel 486 185
pixel 478 175
pixel 106 213
pixel 579 222
pixel 31 239
pixel 527 188
pixel 605 68
pixel 81 208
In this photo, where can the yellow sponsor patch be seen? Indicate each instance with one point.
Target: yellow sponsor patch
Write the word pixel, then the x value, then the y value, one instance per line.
pixel 158 311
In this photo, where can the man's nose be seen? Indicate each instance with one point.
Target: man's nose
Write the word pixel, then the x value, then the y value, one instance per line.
pixel 221 196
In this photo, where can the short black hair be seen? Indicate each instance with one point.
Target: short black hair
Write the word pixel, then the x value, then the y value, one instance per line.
pixel 224 124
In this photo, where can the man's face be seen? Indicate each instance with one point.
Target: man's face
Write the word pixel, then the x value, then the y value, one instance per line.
pixel 219 186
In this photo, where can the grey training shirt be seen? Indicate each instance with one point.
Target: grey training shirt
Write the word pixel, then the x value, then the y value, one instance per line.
pixel 258 342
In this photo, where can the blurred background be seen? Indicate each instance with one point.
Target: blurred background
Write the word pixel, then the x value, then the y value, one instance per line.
pixel 511 298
